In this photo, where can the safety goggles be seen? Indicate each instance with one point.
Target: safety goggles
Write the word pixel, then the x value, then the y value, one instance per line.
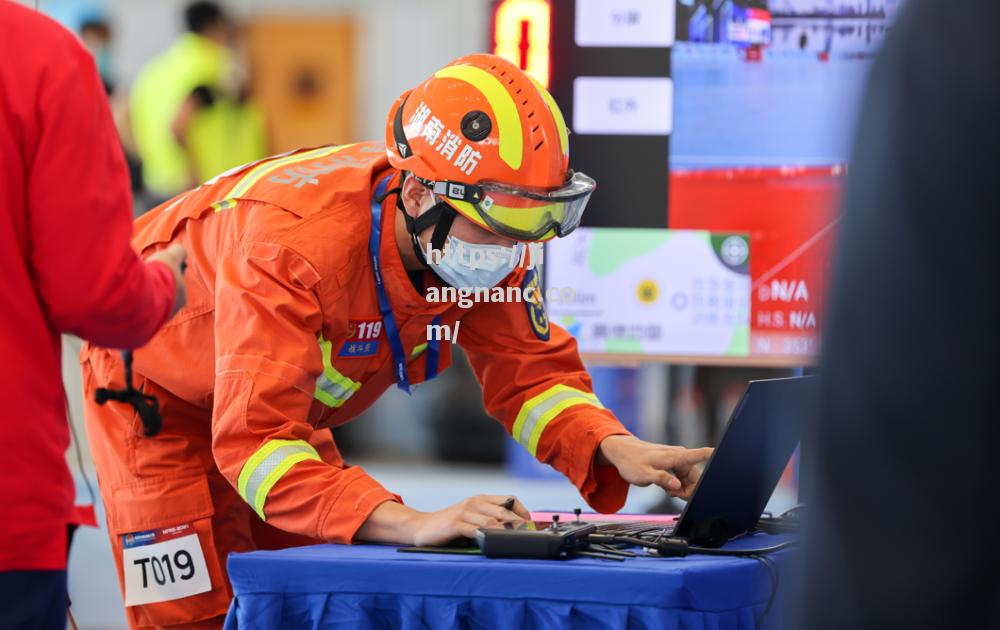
pixel 519 213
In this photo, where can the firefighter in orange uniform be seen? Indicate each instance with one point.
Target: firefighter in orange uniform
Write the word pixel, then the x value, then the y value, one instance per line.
pixel 307 298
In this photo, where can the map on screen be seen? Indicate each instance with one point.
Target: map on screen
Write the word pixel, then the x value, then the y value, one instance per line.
pixel 651 291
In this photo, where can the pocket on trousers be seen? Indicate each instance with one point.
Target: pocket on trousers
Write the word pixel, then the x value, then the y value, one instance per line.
pixel 161 531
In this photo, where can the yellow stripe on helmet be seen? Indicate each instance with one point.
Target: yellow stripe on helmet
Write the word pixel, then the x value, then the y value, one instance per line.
pixel 508 121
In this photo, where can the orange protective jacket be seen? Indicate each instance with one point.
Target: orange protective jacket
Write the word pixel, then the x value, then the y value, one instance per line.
pixel 282 335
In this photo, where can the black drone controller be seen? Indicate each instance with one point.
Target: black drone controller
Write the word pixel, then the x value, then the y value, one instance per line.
pixel 551 541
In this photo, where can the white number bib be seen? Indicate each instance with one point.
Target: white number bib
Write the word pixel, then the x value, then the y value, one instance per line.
pixel 163 564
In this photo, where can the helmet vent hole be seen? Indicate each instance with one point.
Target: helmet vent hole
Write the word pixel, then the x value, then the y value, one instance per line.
pixel 539 145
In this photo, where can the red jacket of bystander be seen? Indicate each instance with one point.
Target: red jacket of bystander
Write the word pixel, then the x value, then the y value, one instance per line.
pixel 65 266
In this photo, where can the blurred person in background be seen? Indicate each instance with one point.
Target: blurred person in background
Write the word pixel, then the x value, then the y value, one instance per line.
pixel 901 466
pixel 97 35
pixel 189 109
pixel 67 266
pixel 310 296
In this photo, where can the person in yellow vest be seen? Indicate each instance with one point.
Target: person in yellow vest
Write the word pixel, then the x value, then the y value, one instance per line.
pixel 190 118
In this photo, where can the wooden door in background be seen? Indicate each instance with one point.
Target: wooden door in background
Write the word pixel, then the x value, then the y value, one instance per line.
pixel 303 77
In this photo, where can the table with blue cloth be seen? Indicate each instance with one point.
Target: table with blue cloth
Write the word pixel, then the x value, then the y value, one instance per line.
pixel 375 586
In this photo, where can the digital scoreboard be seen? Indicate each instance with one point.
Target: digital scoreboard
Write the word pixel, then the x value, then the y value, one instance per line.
pixel 607 64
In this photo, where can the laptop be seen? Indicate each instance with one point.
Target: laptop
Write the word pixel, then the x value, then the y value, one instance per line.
pixel 736 484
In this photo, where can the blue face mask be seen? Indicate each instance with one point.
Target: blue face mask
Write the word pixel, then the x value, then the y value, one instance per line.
pixel 469 266
pixel 102 57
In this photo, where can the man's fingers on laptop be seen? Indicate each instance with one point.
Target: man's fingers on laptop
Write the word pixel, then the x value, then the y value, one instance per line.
pixel 667 481
pixel 697 455
pixel 685 494
pixel 674 459
pixel 685 470
pixel 690 481
pixel 693 475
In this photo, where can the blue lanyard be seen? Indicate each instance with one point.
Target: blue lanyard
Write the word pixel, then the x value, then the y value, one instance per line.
pixel 388 319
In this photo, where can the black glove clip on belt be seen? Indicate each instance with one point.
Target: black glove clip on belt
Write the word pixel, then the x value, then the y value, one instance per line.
pixel 148 407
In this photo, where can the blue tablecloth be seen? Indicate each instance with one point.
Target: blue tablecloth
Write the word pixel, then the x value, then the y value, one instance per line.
pixel 374 586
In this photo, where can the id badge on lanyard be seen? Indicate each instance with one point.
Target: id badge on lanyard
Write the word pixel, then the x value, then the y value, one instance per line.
pixel 385 308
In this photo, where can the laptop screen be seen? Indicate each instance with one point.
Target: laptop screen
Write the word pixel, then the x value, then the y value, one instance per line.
pixel 735 486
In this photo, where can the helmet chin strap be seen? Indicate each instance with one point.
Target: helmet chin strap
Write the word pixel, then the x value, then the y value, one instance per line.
pixel 441 216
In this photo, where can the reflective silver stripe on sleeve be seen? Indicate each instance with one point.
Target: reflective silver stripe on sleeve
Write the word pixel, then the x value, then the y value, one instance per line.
pixel 269 465
pixel 524 437
pixel 336 390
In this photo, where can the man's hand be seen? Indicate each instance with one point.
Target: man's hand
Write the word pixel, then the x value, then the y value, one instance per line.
pixel 393 522
pixel 673 468
pixel 174 257
pixel 465 517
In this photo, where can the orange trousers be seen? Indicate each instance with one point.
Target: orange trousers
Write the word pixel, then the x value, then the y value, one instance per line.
pixel 171 480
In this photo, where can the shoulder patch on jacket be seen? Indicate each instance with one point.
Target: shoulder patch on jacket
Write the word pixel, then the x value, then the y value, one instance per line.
pixel 537 317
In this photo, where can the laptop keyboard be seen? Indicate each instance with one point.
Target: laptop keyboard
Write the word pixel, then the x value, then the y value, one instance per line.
pixel 631 528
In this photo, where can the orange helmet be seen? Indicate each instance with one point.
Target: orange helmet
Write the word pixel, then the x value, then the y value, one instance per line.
pixel 491 142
